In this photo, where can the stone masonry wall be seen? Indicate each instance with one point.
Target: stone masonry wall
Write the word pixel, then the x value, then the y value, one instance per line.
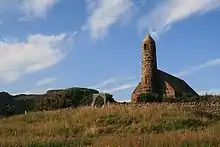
pixel 168 90
pixel 149 65
pixel 149 68
pixel 156 81
pixel 135 94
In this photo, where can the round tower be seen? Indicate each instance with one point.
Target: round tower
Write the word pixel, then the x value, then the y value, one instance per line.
pixel 149 64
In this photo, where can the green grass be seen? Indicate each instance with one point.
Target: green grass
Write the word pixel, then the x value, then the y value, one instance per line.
pixel 175 124
pixel 112 126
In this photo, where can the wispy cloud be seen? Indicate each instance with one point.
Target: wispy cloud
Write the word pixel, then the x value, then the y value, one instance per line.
pixel 36 8
pixel 105 13
pixel 109 81
pixel 30 9
pixel 113 80
pixel 120 88
pixel 34 91
pixel 37 53
pixel 197 68
pixel 168 12
pixel 45 81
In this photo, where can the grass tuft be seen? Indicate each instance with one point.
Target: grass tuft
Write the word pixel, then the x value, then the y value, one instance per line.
pixel 115 125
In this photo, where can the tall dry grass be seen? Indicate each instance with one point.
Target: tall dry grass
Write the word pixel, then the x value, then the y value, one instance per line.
pixel 124 126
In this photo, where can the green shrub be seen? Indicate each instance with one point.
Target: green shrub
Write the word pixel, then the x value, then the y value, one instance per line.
pixel 71 97
pixel 149 97
pixel 53 99
pixel 187 97
pixel 178 124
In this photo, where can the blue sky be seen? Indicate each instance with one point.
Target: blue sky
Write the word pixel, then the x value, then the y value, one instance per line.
pixel 54 44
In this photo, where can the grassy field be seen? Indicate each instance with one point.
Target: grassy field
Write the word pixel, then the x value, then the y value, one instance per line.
pixel 125 126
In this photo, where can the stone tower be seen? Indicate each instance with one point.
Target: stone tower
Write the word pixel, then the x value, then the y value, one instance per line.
pixel 156 81
pixel 149 65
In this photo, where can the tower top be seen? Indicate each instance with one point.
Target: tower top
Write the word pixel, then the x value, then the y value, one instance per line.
pixel 148 38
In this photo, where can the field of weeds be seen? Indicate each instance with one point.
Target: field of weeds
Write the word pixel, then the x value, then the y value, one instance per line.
pixel 124 126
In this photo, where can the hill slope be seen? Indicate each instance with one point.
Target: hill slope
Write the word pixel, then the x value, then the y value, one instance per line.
pixel 53 99
pixel 123 125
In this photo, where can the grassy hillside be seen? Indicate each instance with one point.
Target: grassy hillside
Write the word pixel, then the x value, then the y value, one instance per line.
pixel 125 125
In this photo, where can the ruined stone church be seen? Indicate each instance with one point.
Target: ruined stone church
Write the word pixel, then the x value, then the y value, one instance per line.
pixel 156 81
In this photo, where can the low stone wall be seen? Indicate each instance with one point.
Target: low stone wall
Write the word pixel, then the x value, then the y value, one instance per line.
pixel 214 104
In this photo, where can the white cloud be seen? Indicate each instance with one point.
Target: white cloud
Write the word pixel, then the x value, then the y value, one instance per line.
pixel 192 70
pixel 30 92
pixel 168 12
pixel 105 13
pixel 37 53
pixel 111 81
pixel 125 100
pixel 120 88
pixel 36 8
pixel 29 8
pixel 215 91
pixel 35 91
pixel 45 81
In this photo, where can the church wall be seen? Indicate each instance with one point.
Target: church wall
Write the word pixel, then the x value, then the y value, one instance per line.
pixel 169 91
pixel 154 80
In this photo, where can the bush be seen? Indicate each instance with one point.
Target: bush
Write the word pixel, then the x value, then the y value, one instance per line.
pixel 186 97
pixel 72 97
pixel 149 97
pixel 99 100
pixel 53 99
pixel 109 97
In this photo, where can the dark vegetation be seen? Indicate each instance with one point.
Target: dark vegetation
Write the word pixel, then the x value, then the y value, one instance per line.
pixel 149 97
pixel 51 100
pixel 152 97
pixel 77 97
